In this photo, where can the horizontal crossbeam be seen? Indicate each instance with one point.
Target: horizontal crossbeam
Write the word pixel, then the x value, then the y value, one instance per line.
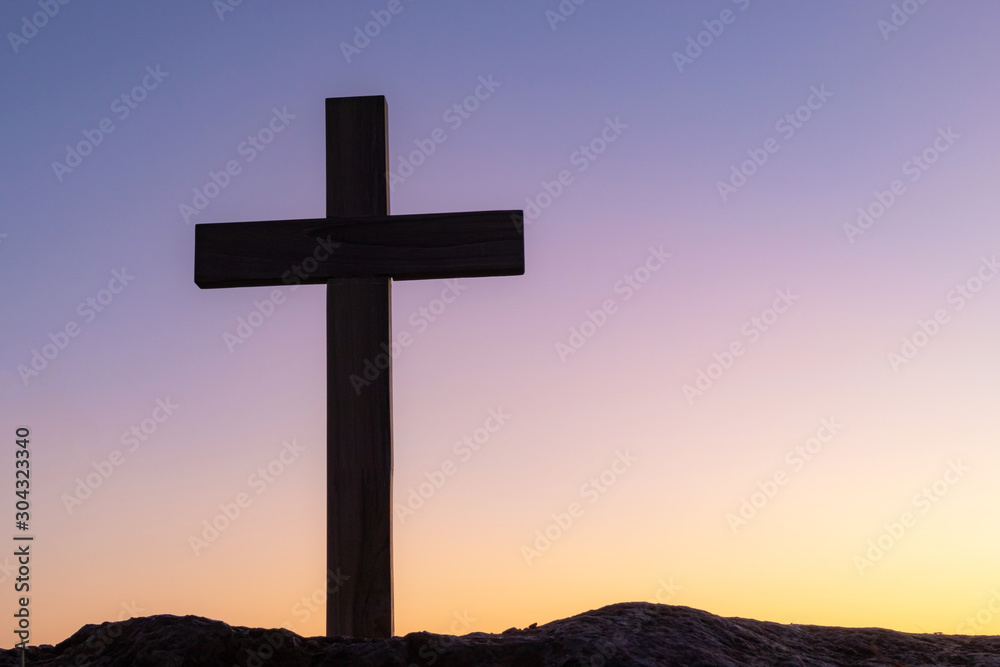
pixel 401 247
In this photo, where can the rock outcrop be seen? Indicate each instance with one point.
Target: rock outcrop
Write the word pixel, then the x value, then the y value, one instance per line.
pixel 636 633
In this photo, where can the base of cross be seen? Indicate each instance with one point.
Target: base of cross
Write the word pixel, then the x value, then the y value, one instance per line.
pixel 368 248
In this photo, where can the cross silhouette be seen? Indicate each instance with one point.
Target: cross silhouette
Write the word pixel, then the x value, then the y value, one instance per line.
pixel 357 250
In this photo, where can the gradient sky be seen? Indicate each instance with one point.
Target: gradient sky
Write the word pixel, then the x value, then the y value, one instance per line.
pixel 766 494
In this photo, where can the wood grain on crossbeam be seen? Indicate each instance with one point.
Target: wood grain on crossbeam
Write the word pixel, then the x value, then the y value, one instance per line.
pixel 403 247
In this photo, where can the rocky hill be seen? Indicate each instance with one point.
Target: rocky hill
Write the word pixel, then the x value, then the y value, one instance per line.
pixel 636 633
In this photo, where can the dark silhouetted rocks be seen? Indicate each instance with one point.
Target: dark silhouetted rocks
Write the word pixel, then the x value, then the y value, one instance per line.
pixel 636 633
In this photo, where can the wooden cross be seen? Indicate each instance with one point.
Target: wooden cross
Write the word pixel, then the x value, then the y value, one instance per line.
pixel 357 250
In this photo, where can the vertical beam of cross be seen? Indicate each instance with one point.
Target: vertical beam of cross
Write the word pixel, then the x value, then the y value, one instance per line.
pixel 359 428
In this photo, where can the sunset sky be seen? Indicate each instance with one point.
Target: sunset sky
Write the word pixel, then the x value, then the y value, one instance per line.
pixel 751 366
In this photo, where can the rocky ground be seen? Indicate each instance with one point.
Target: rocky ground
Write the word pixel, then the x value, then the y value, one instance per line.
pixel 636 633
